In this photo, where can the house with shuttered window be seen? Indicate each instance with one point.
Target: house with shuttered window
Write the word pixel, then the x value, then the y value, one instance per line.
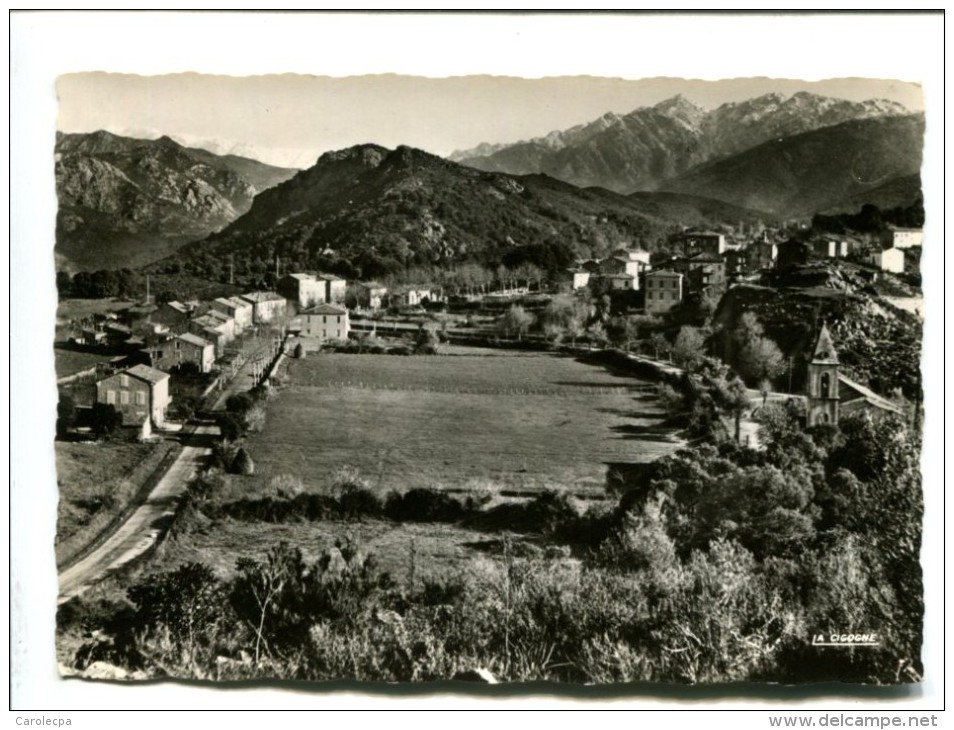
pixel 139 393
pixel 323 322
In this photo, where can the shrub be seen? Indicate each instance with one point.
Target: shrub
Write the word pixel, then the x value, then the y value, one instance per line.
pixel 239 404
pixel 105 420
pixel 423 504
pixel 65 415
pixel 231 427
pixel 243 464
pixel 286 486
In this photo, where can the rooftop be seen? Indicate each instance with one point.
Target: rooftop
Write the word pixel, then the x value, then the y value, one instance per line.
pixel 658 273
pixel 194 340
pixel 257 297
pixel 144 372
pixel 324 309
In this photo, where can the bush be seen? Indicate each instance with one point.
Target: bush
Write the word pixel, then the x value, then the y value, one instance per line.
pixel 105 420
pixel 243 464
pixel 423 505
pixel 231 427
pixel 286 486
pixel 355 502
pixel 65 415
pixel 239 404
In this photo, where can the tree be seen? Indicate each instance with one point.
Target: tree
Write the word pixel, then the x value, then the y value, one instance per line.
pixel 105 420
pixel 688 350
pixel 64 284
pixel 516 320
pixel 243 464
pixel 761 360
pixel 65 415
pixel 660 344
pixel 231 426
pixel 597 333
pixel 427 340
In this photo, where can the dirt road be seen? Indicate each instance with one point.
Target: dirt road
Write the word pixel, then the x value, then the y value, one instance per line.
pixel 147 523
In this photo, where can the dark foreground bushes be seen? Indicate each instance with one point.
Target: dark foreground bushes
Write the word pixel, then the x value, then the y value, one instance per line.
pixel 634 611
pixel 551 514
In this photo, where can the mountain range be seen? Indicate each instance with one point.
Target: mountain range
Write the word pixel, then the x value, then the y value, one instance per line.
pixel 650 145
pixel 130 201
pixel 837 167
pixel 368 211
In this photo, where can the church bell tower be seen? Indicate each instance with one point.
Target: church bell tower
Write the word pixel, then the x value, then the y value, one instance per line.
pixel 822 383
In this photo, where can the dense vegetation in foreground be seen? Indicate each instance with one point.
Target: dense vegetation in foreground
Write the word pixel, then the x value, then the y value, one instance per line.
pixel 719 567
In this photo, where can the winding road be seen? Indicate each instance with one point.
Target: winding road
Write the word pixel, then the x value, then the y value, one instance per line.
pixel 144 526
pixel 147 523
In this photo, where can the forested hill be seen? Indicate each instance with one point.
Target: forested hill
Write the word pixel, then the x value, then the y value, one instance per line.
pixel 368 211
pixel 127 202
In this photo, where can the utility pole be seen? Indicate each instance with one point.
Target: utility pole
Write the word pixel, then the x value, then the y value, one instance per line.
pixel 791 361
pixel 277 271
pixel 147 289
pixel 231 268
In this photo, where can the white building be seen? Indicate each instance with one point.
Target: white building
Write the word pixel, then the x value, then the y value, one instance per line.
pixel 902 237
pixel 891 259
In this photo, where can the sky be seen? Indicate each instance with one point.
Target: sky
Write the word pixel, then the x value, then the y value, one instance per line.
pixel 290 119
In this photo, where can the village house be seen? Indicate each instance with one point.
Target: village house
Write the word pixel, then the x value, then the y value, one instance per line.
pixel 762 254
pixel 664 290
pixel 185 348
pixel 310 289
pixel 890 259
pixel 829 248
pixel 323 322
pixel 635 254
pixel 736 262
pixel 897 237
pixel 302 289
pixel 213 330
pixel 694 242
pixel 370 294
pixel 139 393
pixel 702 270
pixel 410 296
pixel 238 309
pixel 621 265
pixel 792 253
pixel 335 288
pixel 267 306
pixel 621 282
pixel 577 278
pixel 89 337
pixel 174 315
pixel 224 320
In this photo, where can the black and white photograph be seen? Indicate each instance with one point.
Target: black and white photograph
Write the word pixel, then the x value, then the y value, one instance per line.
pixel 572 380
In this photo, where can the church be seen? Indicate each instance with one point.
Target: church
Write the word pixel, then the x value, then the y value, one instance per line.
pixel 829 394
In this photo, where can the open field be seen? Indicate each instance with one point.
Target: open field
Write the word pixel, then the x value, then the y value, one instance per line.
pixel 77 309
pixel 96 481
pixel 438 550
pixel 512 420
pixel 69 361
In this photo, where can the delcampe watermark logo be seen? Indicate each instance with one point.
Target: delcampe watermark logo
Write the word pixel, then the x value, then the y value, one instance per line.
pixel 846 639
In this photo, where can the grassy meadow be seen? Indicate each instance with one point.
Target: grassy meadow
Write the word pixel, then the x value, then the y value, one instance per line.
pixel 514 421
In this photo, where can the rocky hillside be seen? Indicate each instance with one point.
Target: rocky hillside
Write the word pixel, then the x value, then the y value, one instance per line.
pixel 640 150
pixel 368 211
pixel 878 344
pixel 125 202
pixel 810 172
